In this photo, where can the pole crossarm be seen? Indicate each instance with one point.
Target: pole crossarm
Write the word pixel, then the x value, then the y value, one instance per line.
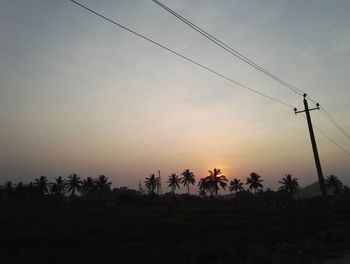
pixel 316 108
pixel 298 112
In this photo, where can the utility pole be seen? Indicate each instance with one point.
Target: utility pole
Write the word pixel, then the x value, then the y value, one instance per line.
pixel 313 143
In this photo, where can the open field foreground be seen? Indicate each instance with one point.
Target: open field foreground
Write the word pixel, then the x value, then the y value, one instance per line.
pixel 343 260
pixel 188 233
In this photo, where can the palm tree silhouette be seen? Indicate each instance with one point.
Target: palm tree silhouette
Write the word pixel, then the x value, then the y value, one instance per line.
pixel 21 192
pixel 151 183
pixel 173 182
pixel 203 186
pixel 58 187
pixel 254 182
pixel 236 185
pixel 187 178
pixel 41 184
pixel 102 184
pixel 8 187
pixel 289 184
pixel 73 183
pixel 159 183
pixel 20 188
pixel 87 186
pixel 216 180
pixel 335 184
pixel 31 189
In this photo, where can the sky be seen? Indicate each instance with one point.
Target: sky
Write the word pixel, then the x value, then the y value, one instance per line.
pixel 80 95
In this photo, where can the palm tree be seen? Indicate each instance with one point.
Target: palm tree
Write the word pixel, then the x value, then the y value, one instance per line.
pixel 158 183
pixel 335 184
pixel 102 184
pixel 236 185
pixel 20 189
pixel 187 178
pixel 254 182
pixel 20 186
pixel 151 183
pixel 73 183
pixel 216 180
pixel 203 186
pixel 2 193
pixel 289 184
pixel 8 187
pixel 58 187
pixel 87 186
pixel 173 182
pixel 20 192
pixel 41 184
pixel 31 190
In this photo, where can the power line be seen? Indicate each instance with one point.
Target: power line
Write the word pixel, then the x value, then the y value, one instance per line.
pixel 250 62
pixel 233 51
pixel 329 138
pixel 215 72
pixel 180 55
pixel 229 49
pixel 334 122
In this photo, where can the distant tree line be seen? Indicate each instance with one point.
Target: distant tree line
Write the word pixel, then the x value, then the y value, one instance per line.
pixel 210 185
pixel 100 188
pixel 59 189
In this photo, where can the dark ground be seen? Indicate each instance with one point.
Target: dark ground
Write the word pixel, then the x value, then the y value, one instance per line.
pixel 207 233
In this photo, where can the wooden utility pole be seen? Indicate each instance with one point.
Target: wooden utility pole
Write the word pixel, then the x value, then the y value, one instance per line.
pixel 313 143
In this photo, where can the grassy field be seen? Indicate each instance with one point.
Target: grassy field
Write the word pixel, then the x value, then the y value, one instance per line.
pixel 206 233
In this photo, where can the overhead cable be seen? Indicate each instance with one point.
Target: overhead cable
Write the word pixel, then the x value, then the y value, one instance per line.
pixel 329 138
pixel 250 62
pixel 180 55
pixel 229 49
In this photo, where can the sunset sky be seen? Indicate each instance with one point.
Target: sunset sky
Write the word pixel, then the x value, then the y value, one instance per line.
pixel 80 95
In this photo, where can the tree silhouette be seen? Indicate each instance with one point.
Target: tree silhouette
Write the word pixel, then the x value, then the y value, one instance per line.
pixel 41 184
pixel 21 192
pixel 31 190
pixel 2 193
pixel 58 188
pixel 8 187
pixel 203 186
pixel 158 183
pixel 102 184
pixel 87 186
pixel 187 178
pixel 289 184
pixel 20 187
pixel 236 185
pixel 7 190
pixel 254 182
pixel 173 182
pixel 335 184
pixel 73 184
pixel 216 180
pixel 151 183
pixel 346 191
